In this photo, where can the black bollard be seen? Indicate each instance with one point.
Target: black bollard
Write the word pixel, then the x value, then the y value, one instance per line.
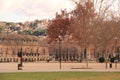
pixel 20 60
pixel 110 65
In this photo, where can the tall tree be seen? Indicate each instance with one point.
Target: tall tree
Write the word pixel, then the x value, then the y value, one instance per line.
pixel 82 24
pixel 104 28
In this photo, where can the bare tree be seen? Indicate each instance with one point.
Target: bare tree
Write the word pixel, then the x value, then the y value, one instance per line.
pixel 104 30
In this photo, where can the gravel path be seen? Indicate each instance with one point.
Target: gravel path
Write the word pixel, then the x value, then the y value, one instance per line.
pixel 52 67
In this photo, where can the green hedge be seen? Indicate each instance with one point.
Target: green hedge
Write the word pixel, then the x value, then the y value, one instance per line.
pixel 112 59
pixel 101 59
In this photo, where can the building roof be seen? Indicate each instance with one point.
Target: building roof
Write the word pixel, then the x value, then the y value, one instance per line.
pixel 15 39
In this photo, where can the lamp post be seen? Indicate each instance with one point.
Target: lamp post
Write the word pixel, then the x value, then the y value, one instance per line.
pixel 116 52
pixel 59 50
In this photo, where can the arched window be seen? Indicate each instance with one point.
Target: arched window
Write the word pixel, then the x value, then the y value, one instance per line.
pixel 44 51
pixel 2 39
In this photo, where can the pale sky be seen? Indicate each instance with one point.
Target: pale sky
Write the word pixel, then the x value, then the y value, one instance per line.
pixel 29 10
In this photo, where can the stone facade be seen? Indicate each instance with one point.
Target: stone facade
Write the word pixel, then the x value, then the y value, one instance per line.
pixel 36 49
pixel 33 48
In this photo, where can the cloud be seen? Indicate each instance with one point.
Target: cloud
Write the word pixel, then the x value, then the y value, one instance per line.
pixel 39 7
pixel 33 9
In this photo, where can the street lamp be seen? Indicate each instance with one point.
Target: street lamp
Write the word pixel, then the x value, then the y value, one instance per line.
pixel 59 37
pixel 116 51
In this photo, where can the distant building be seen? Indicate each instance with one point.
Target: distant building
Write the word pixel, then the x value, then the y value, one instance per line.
pixel 33 48
pixel 36 49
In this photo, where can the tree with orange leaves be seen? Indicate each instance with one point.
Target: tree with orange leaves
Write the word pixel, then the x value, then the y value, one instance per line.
pixel 58 26
pixel 82 25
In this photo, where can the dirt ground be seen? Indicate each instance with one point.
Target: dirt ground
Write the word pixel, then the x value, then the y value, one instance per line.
pixel 43 66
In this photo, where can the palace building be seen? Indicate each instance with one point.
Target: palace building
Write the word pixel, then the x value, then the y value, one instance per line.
pixel 36 49
pixel 33 48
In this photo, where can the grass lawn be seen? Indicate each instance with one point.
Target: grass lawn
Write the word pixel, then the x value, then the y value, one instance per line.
pixel 61 76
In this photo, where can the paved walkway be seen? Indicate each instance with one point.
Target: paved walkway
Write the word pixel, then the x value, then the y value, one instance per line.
pixel 52 67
